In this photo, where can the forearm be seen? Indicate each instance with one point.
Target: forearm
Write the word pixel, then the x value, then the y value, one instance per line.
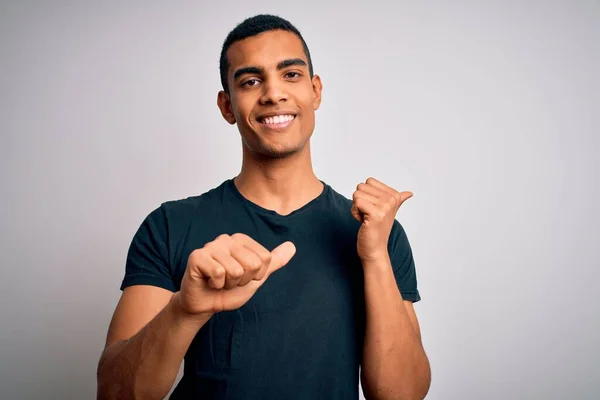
pixel 395 365
pixel 146 365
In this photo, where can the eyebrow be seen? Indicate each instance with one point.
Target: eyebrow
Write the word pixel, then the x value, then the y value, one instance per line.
pixel 257 70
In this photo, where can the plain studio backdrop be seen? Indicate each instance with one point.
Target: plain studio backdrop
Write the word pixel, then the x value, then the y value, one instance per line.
pixel 487 111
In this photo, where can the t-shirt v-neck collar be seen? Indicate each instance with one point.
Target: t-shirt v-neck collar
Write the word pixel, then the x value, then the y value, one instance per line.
pixel 272 213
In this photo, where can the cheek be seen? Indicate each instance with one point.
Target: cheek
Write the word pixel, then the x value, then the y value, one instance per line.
pixel 241 109
pixel 309 106
pixel 309 99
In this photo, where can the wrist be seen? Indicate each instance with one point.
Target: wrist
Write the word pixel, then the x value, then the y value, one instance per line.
pixel 378 271
pixel 183 315
pixel 376 258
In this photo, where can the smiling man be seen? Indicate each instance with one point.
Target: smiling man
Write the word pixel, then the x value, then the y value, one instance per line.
pixel 271 285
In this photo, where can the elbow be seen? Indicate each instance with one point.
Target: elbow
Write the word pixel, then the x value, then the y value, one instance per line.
pixel 415 388
pixel 419 386
pixel 110 384
pixel 101 385
pixel 118 380
pixel 404 395
pixel 107 387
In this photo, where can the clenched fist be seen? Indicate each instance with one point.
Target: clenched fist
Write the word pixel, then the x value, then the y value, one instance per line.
pixel 225 273
pixel 375 205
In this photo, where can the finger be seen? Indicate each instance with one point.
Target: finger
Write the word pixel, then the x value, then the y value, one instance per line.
pixel 355 213
pixel 370 189
pixel 210 269
pixel 281 255
pixel 379 185
pixel 233 270
pixel 400 197
pixel 249 260
pixel 369 210
pixel 260 250
pixel 217 281
pixel 366 196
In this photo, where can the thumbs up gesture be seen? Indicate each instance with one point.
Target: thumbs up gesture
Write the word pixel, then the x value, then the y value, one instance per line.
pixel 225 273
pixel 375 205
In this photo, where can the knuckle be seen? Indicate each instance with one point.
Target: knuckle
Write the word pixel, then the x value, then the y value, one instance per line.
pixel 222 241
pixel 198 255
pixel 238 236
pixel 236 273
pixel 219 272
pixel 254 263
pixel 194 254
pixel 223 237
pixel 265 256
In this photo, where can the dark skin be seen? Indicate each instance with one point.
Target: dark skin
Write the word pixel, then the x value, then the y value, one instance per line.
pixel 269 73
pixel 152 328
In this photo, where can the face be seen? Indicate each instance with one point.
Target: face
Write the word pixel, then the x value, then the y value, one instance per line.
pixel 271 96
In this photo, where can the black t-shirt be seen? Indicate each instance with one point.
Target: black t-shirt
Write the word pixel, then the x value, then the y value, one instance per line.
pixel 301 335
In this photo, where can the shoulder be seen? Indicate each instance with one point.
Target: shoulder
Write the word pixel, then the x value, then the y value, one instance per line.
pixel 177 210
pixel 337 200
pixel 338 213
pixel 173 217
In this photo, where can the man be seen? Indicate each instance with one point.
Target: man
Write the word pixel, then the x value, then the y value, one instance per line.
pixel 271 285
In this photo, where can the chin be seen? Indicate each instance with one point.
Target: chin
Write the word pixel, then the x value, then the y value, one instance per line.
pixel 279 151
pixel 267 144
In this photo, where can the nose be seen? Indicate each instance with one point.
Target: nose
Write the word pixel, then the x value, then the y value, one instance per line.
pixel 273 92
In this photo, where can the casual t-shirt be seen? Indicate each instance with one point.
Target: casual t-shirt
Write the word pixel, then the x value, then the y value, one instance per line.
pixel 301 335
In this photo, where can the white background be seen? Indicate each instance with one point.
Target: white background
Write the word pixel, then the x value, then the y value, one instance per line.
pixel 487 111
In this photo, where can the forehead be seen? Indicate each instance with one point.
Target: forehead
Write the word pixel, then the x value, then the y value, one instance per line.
pixel 265 50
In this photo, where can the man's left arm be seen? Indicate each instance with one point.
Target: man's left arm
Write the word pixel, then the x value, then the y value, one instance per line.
pixel 394 364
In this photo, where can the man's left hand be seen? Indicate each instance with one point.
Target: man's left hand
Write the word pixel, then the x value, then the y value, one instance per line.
pixel 375 205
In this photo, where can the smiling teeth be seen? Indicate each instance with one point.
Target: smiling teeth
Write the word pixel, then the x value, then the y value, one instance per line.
pixel 278 119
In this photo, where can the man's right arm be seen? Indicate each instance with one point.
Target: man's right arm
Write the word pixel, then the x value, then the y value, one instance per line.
pixel 152 328
pixel 148 337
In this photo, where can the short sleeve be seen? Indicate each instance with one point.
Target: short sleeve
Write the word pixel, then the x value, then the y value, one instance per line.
pixel 403 263
pixel 147 258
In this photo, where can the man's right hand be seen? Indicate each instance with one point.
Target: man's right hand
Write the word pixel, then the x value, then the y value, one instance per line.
pixel 225 273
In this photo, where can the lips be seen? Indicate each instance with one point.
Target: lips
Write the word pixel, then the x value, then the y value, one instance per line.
pixel 277 121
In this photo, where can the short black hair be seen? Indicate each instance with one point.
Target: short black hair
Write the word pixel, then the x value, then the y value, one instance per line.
pixel 252 26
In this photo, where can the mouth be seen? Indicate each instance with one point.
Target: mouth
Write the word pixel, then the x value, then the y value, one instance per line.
pixel 277 122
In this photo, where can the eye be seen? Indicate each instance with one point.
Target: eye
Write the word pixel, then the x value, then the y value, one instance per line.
pixel 292 75
pixel 250 82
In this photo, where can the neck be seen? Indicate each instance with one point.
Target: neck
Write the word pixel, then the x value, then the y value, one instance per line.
pixel 280 184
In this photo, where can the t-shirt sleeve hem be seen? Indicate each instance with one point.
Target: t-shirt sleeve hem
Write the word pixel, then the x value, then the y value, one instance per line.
pixel 147 280
pixel 413 296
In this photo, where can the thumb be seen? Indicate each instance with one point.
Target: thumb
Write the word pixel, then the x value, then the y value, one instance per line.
pixel 405 196
pixel 281 255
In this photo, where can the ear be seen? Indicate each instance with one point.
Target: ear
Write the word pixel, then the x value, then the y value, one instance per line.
pixel 224 104
pixel 317 88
